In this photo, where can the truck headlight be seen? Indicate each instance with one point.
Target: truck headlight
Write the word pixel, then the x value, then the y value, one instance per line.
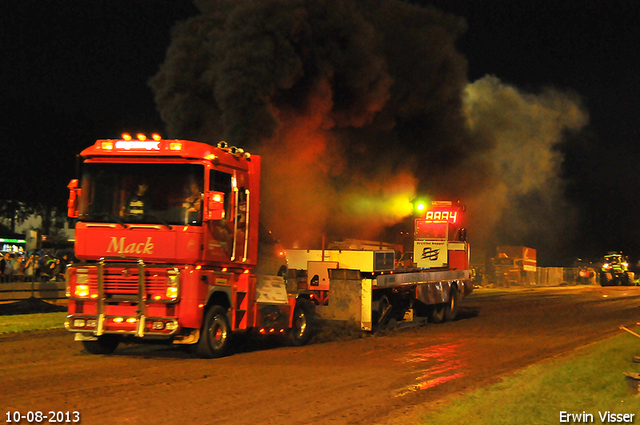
pixel 172 292
pixel 81 291
pixel 173 283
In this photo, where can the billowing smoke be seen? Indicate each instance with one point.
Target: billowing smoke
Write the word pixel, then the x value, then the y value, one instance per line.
pixel 358 107
pixel 519 199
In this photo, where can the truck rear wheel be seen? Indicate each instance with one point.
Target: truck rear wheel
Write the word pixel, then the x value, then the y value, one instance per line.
pixel 300 332
pixel 215 338
pixel 106 344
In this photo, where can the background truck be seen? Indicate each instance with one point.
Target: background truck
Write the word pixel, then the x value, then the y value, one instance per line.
pixel 615 270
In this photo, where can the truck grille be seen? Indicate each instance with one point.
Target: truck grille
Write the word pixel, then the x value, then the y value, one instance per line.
pixel 125 281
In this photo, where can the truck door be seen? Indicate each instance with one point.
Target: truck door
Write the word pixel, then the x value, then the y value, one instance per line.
pixel 219 231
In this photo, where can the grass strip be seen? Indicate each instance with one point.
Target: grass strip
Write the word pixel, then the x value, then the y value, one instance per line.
pixel 31 322
pixel 588 382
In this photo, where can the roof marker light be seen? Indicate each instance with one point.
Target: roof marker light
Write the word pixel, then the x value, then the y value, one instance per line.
pixel 156 137
pixel 141 137
pixel 126 136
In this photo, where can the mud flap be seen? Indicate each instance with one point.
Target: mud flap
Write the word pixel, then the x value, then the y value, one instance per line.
pixel 350 298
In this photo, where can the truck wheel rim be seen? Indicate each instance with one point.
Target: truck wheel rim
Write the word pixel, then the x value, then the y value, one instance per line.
pixel 218 333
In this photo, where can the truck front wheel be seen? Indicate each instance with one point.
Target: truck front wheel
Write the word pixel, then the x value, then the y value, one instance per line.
pixel 216 334
pixel 106 344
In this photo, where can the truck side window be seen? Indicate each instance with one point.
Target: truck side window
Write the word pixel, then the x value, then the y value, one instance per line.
pixel 221 182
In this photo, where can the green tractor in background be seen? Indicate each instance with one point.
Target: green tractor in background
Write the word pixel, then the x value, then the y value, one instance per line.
pixel 615 271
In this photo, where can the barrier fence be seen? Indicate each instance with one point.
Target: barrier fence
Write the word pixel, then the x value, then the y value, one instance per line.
pixel 47 290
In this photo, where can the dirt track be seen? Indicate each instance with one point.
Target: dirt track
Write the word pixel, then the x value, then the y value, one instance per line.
pixel 374 379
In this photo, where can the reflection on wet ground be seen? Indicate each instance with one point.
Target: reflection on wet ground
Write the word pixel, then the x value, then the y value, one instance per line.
pixel 436 364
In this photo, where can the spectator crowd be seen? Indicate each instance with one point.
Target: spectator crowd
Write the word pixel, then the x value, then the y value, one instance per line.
pixel 34 266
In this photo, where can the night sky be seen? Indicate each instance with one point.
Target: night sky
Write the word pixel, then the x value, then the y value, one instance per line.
pixel 591 48
pixel 75 71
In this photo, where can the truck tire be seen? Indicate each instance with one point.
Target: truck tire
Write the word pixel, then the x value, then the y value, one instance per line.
pixel 618 280
pixel 381 312
pixel 300 332
pixel 627 279
pixel 106 344
pixel 605 279
pixel 215 338
pixel 451 308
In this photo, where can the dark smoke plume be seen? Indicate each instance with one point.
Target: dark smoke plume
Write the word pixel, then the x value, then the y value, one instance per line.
pixel 357 107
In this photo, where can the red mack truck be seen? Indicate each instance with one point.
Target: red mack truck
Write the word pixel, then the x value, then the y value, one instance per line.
pixel 167 233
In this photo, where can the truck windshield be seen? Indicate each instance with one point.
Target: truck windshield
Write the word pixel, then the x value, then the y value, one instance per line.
pixel 142 193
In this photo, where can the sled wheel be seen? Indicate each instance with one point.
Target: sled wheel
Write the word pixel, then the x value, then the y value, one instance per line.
pixel 436 315
pixel 451 308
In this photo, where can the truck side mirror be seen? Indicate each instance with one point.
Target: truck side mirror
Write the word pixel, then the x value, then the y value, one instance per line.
pixel 214 206
pixel 74 195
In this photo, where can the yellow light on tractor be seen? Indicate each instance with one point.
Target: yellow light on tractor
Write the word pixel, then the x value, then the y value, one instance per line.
pixel 131 320
pixel 156 137
pixel 126 136
pixel 118 320
pixel 141 137
pixel 106 145
pixel 175 146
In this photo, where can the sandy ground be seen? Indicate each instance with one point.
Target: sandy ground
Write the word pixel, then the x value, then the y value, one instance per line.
pixel 384 379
